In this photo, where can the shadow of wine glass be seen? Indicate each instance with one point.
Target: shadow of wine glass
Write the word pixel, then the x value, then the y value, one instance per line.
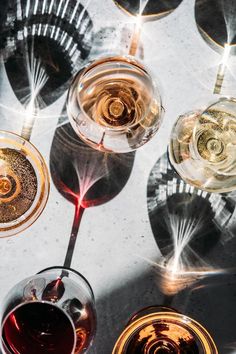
pixel 211 301
pixel 216 20
pixel 190 227
pixel 151 9
pixel 119 304
pixel 84 176
pixel 45 44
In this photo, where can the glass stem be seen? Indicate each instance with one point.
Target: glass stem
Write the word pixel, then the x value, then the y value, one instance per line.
pixel 135 40
pixel 222 69
pixel 73 236
pixel 28 123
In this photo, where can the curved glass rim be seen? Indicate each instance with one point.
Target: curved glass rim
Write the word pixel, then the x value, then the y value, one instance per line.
pixel 198 330
pixel 127 59
pixel 24 221
pixel 3 342
pixel 63 268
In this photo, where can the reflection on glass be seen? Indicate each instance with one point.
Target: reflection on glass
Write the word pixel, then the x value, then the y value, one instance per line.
pixel 203 147
pixel 51 312
pixel 113 105
pixel 162 330
pixel 24 184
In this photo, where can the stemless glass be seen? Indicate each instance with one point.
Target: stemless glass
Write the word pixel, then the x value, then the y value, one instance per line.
pixel 50 312
pixel 162 330
pixel 24 184
pixel 114 105
pixel 202 148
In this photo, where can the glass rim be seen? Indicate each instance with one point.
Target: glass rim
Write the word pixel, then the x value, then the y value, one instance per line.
pixel 20 224
pixel 3 321
pixel 198 330
pixel 127 59
pixel 73 271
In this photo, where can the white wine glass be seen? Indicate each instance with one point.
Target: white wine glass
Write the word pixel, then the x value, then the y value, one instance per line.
pixel 114 105
pixel 202 147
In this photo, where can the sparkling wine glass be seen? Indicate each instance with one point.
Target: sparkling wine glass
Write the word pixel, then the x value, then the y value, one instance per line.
pixel 24 184
pixel 165 331
pixel 202 148
pixel 114 105
pixel 50 312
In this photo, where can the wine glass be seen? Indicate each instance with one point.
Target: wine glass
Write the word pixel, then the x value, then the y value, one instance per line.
pixel 202 148
pixel 50 312
pixel 165 331
pixel 114 105
pixel 24 184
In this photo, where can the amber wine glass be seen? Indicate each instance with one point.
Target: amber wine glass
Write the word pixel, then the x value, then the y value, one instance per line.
pixel 114 105
pixel 24 184
pixel 202 148
pixel 50 312
pixel 162 330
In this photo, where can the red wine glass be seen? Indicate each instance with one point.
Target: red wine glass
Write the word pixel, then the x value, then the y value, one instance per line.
pixel 50 312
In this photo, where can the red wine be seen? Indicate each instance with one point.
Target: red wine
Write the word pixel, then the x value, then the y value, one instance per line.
pixel 38 328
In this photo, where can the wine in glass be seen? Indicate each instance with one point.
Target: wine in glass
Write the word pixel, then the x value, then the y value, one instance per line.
pixel 114 105
pixel 202 148
pixel 165 331
pixel 50 312
pixel 24 184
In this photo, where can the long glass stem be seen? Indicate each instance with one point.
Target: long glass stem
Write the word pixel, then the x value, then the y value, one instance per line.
pixel 79 210
pixel 28 124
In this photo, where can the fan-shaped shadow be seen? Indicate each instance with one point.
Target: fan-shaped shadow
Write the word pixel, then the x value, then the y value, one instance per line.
pixel 45 45
pixel 216 20
pixel 79 171
pixel 151 9
pixel 190 226
pixel 84 176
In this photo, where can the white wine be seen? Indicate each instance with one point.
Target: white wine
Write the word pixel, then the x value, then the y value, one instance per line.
pixel 203 147
pixel 114 106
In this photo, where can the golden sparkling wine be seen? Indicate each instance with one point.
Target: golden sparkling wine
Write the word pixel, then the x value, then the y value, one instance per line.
pixel 113 105
pixel 18 185
pixel 24 184
pixel 203 147
pixel 165 332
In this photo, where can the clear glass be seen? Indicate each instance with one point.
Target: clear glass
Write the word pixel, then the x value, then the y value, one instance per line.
pixel 113 105
pixel 24 184
pixel 162 330
pixel 50 312
pixel 202 148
